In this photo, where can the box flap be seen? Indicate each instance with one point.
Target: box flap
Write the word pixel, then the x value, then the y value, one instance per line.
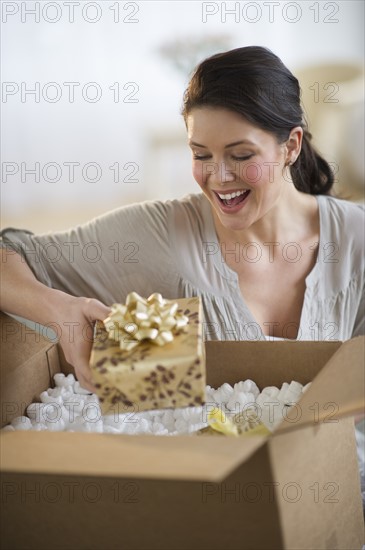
pixel 28 362
pixel 267 363
pixel 338 390
pixel 18 342
pixel 208 458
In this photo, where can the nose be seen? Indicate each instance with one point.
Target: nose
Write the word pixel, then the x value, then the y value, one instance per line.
pixel 219 173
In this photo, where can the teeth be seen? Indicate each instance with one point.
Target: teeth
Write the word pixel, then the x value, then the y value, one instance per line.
pixel 232 195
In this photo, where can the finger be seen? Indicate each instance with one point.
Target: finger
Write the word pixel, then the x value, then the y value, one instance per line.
pixel 84 376
pixel 81 360
pixel 85 382
pixel 97 310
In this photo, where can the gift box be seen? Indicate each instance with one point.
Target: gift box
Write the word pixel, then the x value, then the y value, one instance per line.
pixel 149 354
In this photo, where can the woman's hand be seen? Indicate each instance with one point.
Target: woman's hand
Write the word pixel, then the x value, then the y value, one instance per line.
pixel 22 294
pixel 76 318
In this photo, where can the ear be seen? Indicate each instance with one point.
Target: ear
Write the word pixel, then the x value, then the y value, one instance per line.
pixel 293 145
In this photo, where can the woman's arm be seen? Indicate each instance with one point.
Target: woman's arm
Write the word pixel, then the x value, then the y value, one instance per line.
pixel 22 294
pixel 46 277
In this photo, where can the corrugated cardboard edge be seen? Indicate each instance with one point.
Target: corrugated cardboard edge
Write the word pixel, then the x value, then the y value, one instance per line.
pixel 27 356
pixel 328 399
pixel 142 456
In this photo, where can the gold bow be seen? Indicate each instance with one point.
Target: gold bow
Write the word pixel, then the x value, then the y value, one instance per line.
pixel 154 319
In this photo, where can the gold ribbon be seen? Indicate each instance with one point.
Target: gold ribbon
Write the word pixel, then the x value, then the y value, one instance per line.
pixel 221 423
pixel 242 424
pixel 154 319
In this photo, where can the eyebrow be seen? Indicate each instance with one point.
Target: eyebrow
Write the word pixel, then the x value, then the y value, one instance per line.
pixel 243 141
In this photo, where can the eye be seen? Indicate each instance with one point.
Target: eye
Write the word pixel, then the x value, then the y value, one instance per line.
pixel 199 157
pixel 242 158
pixel 205 157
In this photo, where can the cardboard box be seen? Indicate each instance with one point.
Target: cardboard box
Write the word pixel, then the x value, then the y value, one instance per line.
pixel 296 489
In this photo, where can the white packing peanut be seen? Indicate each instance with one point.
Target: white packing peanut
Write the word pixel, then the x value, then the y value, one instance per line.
pixel 110 430
pixel 55 425
pixel 130 427
pixel 78 424
pixel 91 398
pixel 70 379
pixel 59 379
pixel 240 401
pixel 38 426
pixel 248 386
pixel 282 392
pixel 272 413
pixel 180 425
pixel 74 404
pixel 51 412
pixel 91 412
pixel 45 398
pixel 271 391
pixel 34 411
pixel 64 381
pixel 21 423
pixel 144 426
pixel 293 393
pixel 8 428
pixel 96 427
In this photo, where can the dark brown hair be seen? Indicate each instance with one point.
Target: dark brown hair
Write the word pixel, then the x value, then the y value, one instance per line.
pixel 254 82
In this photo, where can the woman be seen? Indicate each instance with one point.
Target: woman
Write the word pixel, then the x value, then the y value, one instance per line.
pixel 264 245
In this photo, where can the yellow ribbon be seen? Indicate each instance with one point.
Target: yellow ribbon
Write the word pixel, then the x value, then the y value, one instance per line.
pixel 221 423
pixel 154 319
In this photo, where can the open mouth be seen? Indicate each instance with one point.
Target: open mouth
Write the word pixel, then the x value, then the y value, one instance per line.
pixel 234 201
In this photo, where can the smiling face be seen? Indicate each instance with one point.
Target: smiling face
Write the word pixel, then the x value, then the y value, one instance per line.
pixel 239 167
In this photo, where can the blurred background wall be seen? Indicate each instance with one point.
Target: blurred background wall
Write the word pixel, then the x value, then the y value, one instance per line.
pixel 91 95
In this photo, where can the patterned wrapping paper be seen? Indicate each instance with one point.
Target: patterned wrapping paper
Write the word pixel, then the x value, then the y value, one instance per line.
pixel 151 376
pixel 244 423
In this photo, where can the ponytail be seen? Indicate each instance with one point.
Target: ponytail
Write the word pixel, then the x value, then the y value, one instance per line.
pixel 311 173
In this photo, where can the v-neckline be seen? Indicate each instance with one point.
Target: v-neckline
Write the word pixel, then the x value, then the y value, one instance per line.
pixel 232 276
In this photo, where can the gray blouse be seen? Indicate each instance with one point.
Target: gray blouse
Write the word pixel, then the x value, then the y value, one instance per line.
pixel 172 247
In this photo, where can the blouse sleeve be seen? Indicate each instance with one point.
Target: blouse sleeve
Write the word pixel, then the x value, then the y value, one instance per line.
pixel 123 250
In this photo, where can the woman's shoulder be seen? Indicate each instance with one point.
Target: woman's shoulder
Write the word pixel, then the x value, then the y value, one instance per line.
pixel 187 216
pixel 343 209
pixel 189 202
pixel 187 210
pixel 343 217
pixel 154 213
pixel 343 224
